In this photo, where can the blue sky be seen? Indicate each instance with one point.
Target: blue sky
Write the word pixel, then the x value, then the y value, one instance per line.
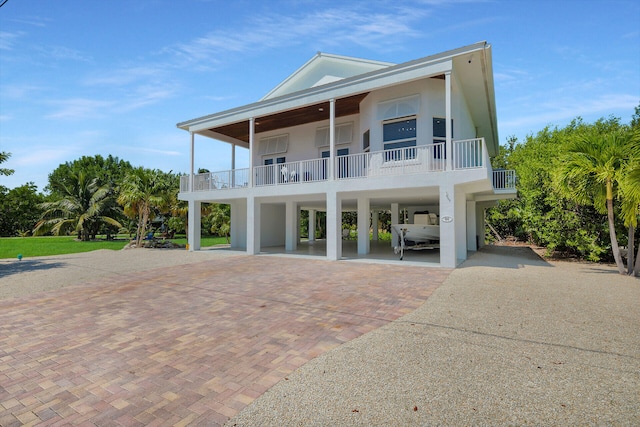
pixel 114 77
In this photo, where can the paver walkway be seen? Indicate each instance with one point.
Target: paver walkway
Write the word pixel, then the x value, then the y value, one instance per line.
pixel 187 345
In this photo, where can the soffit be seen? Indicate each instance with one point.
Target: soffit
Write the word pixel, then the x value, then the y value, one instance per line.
pixel 308 114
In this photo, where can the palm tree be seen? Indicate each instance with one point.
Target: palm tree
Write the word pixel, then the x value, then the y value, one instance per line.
pixel 84 206
pixel 630 189
pixel 141 191
pixel 4 156
pixel 591 171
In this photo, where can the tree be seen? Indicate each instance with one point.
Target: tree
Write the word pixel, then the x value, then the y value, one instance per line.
pixel 4 156
pixel 141 191
pixel 108 171
pixel 83 207
pixel 19 209
pixel 219 218
pixel 590 174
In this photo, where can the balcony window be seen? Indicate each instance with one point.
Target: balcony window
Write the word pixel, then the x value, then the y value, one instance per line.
pixel 398 135
pixel 343 135
pixel 440 137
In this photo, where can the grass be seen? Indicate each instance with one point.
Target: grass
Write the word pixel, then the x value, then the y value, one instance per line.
pixel 10 247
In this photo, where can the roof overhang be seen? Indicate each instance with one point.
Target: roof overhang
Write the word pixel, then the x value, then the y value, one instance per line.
pixel 311 105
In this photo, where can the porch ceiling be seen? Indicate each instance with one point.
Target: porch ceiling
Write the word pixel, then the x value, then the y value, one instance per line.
pixel 308 114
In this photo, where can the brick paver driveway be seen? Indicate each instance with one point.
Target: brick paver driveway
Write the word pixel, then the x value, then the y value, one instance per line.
pixel 187 345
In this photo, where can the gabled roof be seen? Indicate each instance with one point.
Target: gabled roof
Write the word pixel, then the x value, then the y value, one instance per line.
pixel 323 69
pixel 472 66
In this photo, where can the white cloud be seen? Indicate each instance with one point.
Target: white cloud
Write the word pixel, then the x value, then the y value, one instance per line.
pixel 560 110
pixel 79 108
pixel 7 39
pixel 145 95
pixel 125 76
pixel 330 26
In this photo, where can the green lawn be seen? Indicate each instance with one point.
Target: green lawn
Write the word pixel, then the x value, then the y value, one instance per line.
pixel 10 247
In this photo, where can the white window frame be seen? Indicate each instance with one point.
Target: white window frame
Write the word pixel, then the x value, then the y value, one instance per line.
pixel 271 145
pixel 343 136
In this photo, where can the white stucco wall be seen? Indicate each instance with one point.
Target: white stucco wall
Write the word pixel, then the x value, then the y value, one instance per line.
pixel 302 141
pixel 272 225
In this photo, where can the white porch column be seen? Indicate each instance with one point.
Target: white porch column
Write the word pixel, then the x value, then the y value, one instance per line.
pixel 191 179
pixel 375 224
pixel 291 224
pixel 334 226
pixel 447 104
pixel 364 211
pixel 233 165
pixel 312 225
pixel 252 137
pixel 253 226
pixel 395 216
pixel 471 226
pixel 194 217
pixel 332 139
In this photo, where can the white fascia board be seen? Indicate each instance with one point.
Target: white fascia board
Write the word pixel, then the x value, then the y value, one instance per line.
pixel 401 73
pixel 320 57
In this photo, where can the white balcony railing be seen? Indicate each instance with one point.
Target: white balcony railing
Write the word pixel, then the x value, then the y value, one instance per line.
pixel 504 180
pixel 237 178
pixel 467 154
pixel 292 172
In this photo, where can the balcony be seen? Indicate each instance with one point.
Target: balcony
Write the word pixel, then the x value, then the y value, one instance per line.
pixel 467 154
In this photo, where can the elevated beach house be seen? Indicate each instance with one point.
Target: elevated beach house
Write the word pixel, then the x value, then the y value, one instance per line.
pixel 344 134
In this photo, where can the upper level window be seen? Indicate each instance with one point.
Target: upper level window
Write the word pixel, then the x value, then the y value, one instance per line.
pixel 274 145
pixel 366 141
pixel 343 135
pixel 440 137
pixel 399 134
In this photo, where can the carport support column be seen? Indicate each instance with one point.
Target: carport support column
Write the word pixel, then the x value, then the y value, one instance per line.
pixel 447 227
pixel 364 211
pixel 453 243
pixel 334 226
pixel 395 217
pixel 291 225
pixel 312 225
pixel 194 218
pixel 253 226
pixel 472 244
pixel 375 224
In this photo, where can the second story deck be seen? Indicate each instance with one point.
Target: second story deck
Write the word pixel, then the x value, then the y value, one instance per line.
pixel 432 158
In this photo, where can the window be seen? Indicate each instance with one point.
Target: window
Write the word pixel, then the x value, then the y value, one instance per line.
pixel 270 174
pixel 343 135
pixel 366 141
pixel 440 137
pixel 274 145
pixel 398 135
pixel 278 161
pixel 342 165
